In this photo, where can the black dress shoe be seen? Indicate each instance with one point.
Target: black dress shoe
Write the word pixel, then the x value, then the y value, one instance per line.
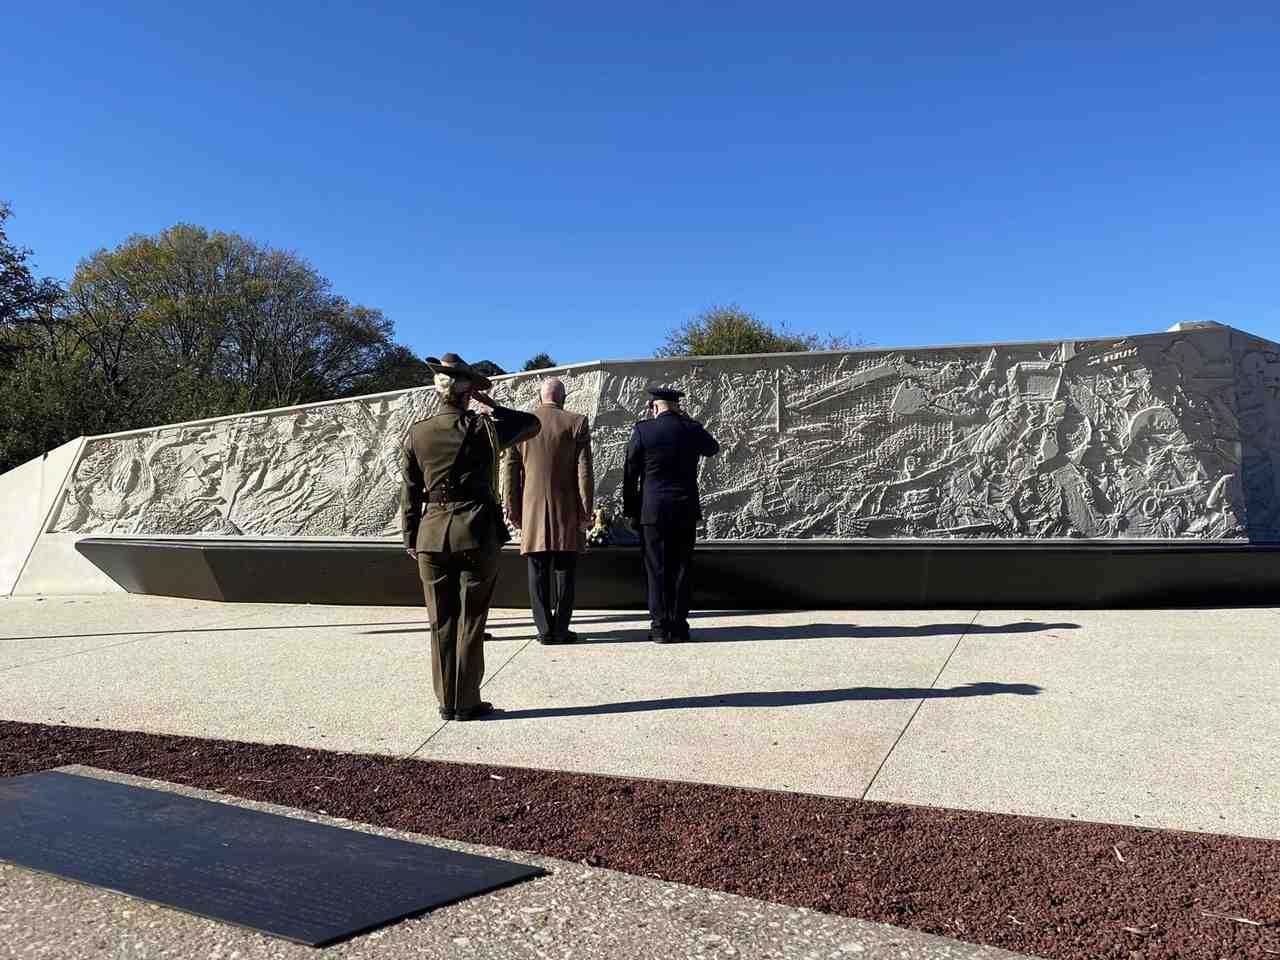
pixel 482 709
pixel 547 639
pixel 567 637
pixel 447 713
pixel 661 636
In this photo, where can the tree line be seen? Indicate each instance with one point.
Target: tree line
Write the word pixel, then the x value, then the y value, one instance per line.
pixel 192 323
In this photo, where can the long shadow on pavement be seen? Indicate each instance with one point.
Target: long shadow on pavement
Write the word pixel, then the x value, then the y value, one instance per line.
pixel 798 631
pixel 827 631
pixel 587 616
pixel 775 698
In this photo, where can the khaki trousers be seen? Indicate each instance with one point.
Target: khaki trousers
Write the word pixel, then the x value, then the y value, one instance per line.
pixel 457 588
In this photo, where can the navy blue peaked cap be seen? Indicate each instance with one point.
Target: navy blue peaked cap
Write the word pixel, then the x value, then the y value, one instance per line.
pixel 665 393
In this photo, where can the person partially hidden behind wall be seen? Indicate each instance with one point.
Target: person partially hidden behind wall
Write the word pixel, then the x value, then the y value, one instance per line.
pixel 548 489
pixel 453 526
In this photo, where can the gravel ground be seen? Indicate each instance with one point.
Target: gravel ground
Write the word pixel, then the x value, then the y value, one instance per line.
pixel 572 912
pixel 1056 889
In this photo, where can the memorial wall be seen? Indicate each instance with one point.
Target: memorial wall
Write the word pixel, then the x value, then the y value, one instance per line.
pixel 1166 436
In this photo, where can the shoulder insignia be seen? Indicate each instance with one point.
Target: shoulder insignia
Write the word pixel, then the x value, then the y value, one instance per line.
pixel 431 416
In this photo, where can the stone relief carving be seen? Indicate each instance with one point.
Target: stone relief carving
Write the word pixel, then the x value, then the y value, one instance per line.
pixel 1164 436
pixel 1257 421
pixel 317 471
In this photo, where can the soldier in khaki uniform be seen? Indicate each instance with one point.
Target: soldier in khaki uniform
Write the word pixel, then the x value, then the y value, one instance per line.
pixel 453 524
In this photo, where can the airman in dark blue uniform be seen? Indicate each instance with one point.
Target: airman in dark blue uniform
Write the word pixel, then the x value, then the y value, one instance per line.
pixel 660 494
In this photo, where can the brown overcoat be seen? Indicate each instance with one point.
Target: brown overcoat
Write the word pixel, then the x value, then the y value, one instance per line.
pixel 548 483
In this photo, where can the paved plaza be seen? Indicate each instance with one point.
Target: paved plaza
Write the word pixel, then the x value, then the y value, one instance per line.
pixel 1154 718
pixel 1150 718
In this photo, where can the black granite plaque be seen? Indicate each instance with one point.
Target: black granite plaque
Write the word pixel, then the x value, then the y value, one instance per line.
pixel 306 882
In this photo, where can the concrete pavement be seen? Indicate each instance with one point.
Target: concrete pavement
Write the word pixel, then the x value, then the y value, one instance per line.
pixel 1146 718
pixel 1158 718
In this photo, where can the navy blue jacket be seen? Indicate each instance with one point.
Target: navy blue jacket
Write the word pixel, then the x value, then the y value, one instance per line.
pixel 660 477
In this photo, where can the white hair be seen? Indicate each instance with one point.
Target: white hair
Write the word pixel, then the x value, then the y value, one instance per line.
pixel 448 387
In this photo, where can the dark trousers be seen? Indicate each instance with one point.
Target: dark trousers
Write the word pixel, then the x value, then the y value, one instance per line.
pixel 457 588
pixel 553 580
pixel 668 554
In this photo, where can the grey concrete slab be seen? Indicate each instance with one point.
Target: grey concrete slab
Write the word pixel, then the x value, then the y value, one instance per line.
pixel 24 618
pixel 27 495
pixel 1149 718
pixel 792 701
pixel 574 911
pixel 37 629
pixel 339 688
pixel 412 619
pixel 56 568
pixel 20 518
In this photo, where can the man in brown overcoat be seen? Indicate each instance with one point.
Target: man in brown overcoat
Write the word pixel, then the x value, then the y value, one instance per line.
pixel 453 525
pixel 548 489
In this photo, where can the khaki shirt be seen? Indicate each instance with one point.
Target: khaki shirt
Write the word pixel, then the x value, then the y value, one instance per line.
pixel 451 457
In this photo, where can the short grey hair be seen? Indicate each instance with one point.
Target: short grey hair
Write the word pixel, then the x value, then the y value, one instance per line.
pixel 553 390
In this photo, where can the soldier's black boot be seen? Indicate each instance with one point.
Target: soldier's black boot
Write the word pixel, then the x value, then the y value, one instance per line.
pixel 484 708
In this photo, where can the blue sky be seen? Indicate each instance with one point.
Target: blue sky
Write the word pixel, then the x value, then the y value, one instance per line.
pixel 581 177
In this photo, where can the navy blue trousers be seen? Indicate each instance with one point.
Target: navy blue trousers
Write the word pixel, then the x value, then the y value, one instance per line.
pixel 668 555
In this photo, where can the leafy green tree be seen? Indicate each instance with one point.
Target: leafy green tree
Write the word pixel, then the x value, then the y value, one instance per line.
pixel 539 361
pixel 48 400
pixel 40 398
pixel 225 324
pixel 179 326
pixel 399 369
pixel 729 331
pixel 23 296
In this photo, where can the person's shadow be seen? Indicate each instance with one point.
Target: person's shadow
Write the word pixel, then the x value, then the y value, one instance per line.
pixel 775 698
pixel 788 631
pixel 825 631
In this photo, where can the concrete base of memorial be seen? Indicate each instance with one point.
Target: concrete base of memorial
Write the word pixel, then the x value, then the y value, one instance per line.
pixel 736 576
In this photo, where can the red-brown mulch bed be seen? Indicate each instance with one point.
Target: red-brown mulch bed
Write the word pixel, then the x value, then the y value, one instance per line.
pixel 1052 888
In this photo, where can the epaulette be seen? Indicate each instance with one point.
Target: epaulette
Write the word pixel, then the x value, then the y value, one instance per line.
pixel 428 418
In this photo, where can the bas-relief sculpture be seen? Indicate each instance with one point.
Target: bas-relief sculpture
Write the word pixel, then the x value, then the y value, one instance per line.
pixel 317 471
pixel 1166 436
